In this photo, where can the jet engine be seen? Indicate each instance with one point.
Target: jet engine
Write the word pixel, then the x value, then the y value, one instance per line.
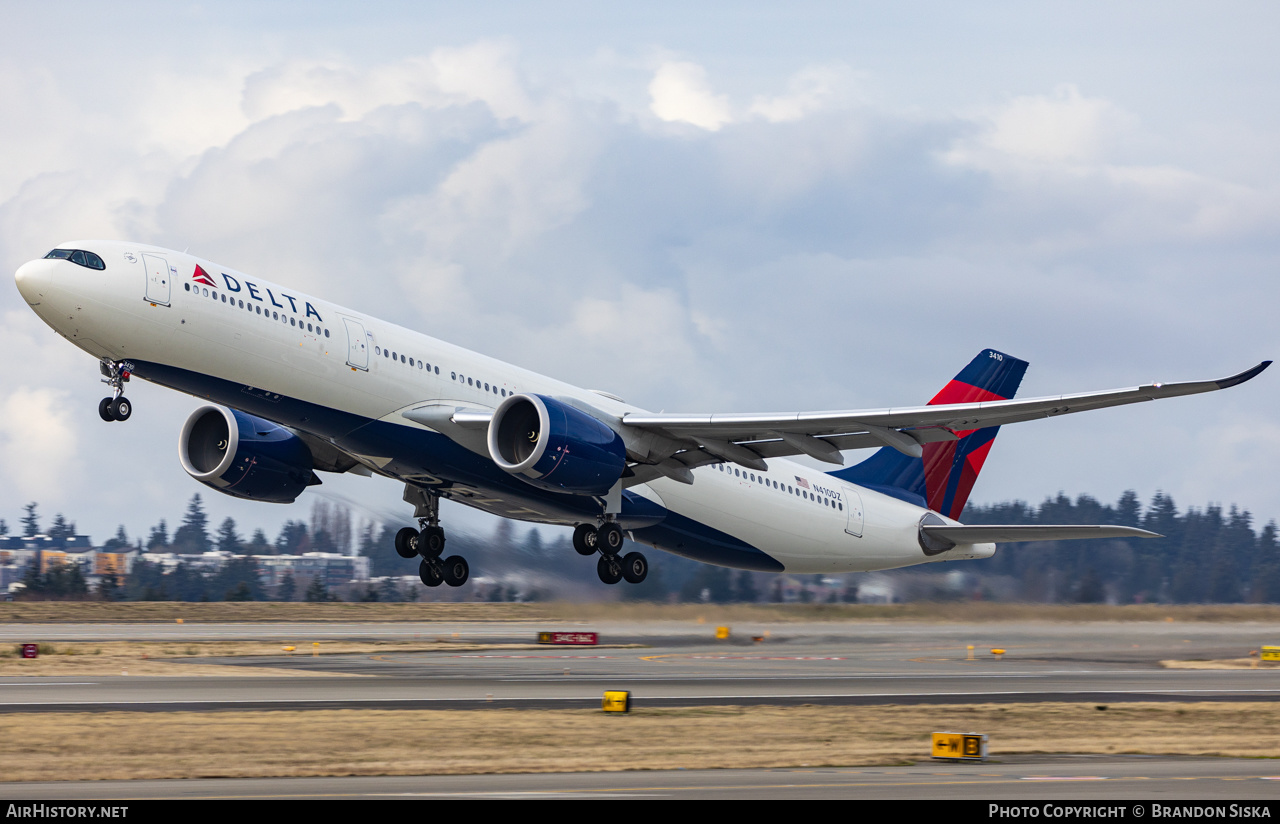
pixel 246 457
pixel 554 446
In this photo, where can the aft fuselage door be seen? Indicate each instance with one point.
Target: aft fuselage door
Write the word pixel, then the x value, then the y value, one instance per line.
pixel 357 344
pixel 853 506
pixel 158 279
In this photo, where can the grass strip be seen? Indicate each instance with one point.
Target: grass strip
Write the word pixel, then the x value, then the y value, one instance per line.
pixel 127 745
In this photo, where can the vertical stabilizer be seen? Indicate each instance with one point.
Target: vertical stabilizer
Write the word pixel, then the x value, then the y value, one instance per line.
pixel 943 478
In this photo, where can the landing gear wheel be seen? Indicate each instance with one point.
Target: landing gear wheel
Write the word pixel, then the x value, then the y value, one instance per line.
pixel 120 409
pixel 609 538
pixel 635 567
pixel 609 568
pixel 431 542
pixel 430 572
pixel 104 410
pixel 407 542
pixel 456 570
pixel 584 539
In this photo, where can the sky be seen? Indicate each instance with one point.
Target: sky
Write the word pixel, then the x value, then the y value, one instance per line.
pixel 708 207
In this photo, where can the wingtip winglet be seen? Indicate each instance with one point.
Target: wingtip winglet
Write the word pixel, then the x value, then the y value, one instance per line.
pixel 1247 375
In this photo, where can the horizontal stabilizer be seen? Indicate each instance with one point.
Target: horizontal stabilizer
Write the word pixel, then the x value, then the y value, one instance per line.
pixel 996 534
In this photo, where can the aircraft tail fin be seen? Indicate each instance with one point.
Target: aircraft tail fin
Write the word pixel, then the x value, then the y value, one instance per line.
pixel 943 478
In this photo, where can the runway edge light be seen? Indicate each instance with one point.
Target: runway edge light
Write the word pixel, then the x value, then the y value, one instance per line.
pixel 617 701
pixel 960 746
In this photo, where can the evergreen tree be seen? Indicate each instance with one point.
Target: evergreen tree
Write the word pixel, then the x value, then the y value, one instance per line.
pixel 4 528
pixel 159 540
pixel 228 540
pixel 30 522
pixel 317 591
pixel 109 588
pixel 238 575
pixel 120 543
pixel 192 537
pixel 258 544
pixel 288 588
pixel 293 539
pixel 61 529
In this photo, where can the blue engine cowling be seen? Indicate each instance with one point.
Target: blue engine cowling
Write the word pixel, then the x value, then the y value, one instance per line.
pixel 555 446
pixel 243 456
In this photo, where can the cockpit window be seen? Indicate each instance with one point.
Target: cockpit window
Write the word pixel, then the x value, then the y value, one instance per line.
pixel 79 257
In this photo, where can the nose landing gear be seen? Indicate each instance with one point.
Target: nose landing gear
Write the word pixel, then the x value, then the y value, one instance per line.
pixel 607 540
pixel 115 375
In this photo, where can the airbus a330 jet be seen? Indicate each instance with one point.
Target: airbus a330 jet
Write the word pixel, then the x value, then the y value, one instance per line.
pixel 301 385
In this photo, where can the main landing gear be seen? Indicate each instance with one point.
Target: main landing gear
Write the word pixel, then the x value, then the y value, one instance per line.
pixel 607 540
pixel 428 542
pixel 117 407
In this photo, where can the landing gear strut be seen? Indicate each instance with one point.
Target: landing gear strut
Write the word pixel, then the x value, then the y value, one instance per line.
pixel 607 540
pixel 428 541
pixel 115 374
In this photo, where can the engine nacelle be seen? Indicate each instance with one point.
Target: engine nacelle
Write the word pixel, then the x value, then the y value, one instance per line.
pixel 555 446
pixel 243 456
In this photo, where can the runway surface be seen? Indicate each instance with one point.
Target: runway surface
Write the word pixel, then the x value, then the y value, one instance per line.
pixel 1063 778
pixel 680 664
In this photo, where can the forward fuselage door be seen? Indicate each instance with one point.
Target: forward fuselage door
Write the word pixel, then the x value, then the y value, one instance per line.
pixel 357 344
pixel 158 279
pixel 853 506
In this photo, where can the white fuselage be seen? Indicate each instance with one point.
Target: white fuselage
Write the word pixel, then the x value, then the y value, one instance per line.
pixel 239 330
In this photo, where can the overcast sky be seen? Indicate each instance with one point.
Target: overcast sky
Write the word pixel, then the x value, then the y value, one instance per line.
pixel 699 207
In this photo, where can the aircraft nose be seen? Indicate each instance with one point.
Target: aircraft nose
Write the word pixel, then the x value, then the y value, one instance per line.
pixel 33 280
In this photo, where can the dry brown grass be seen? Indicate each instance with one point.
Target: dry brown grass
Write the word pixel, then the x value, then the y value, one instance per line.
pixel 120 745
pixel 966 611
pixel 168 658
pixel 1221 664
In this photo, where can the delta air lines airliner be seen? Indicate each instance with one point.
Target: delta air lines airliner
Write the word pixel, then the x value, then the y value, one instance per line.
pixel 299 385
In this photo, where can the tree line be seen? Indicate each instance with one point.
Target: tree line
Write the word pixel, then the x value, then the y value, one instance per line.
pixel 1208 554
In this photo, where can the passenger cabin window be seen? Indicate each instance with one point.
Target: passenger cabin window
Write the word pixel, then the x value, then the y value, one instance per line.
pixel 79 257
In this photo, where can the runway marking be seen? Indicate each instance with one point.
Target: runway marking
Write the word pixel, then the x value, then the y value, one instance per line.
pixel 51 684
pixel 1065 778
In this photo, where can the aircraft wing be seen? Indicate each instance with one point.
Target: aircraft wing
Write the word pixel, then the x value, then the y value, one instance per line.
pixel 748 438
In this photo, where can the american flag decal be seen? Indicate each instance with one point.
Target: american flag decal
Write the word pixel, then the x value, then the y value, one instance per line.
pixel 801 482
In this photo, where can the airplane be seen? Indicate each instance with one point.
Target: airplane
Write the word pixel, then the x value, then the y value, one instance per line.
pixel 300 385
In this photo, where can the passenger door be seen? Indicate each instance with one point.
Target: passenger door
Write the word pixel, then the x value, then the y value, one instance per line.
pixel 357 344
pixel 158 279
pixel 853 506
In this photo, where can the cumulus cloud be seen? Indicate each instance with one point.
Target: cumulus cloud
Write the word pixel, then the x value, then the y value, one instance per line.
pixel 38 443
pixel 810 90
pixel 680 93
pixel 809 249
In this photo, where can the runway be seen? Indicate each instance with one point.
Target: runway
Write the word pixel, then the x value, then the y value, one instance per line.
pixel 678 664
pixel 1019 778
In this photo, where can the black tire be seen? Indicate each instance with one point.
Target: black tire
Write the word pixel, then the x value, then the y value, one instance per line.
pixel 609 568
pixel 431 542
pixel 121 409
pixel 430 573
pixel 407 542
pixel 584 539
pixel 456 571
pixel 104 410
pixel 635 567
pixel 609 538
